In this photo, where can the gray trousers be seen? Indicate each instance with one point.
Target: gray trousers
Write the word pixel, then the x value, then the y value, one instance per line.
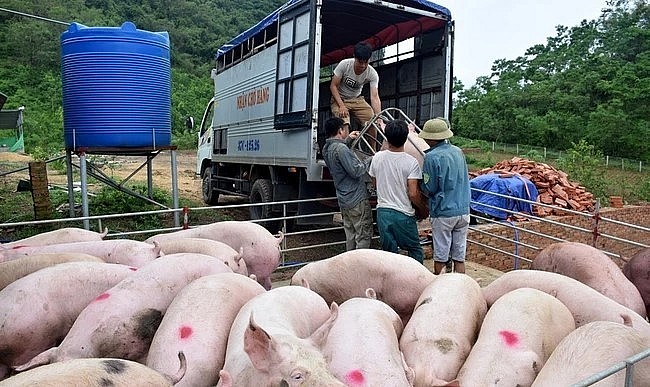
pixel 357 223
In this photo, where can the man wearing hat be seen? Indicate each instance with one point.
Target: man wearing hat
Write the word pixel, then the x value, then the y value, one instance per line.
pixel 445 181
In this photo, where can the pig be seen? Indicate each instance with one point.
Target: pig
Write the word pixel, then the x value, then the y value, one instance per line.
pixel 210 247
pixel 97 372
pixel 593 268
pixel 261 249
pixel 39 309
pixel 414 145
pixel 593 348
pixel 519 332
pixel 397 279
pixel 13 270
pixel 443 328
pixel 197 323
pixel 585 303
pixel 123 251
pixel 275 341
pixel 121 321
pixel 637 271
pixel 362 347
pixel 62 235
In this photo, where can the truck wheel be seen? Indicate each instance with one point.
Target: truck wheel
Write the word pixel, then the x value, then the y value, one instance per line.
pixel 262 192
pixel 210 195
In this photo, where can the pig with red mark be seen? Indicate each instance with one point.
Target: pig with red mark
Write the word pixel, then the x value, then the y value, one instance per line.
pixel 97 372
pixel 362 347
pixel 397 279
pixel 585 303
pixel 443 328
pixel 122 251
pixel 637 270
pixel 593 268
pixel 122 321
pixel 518 334
pixel 227 254
pixel 12 270
pixel 275 340
pixel 259 248
pixel 39 309
pixel 197 323
pixel 591 349
pixel 62 235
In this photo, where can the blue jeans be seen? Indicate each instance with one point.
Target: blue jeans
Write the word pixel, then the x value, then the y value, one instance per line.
pixel 398 230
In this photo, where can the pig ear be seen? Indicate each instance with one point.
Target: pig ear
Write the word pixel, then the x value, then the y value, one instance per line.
pixel 370 293
pixel 304 283
pixel 225 380
pixel 156 249
pixel 279 237
pixel 410 373
pixel 103 235
pixel 627 320
pixel 42 358
pixel 253 277
pixel 320 335
pixel 257 344
pixel 239 256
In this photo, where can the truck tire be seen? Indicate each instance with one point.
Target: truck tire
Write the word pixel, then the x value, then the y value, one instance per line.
pixel 210 195
pixel 262 192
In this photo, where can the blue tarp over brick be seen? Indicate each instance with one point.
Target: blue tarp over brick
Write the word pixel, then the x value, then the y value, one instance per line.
pixel 516 186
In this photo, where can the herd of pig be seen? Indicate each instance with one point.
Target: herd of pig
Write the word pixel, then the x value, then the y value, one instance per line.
pixel 195 308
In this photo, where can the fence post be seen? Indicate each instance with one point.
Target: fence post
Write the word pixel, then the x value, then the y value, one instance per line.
pixel 622 164
pixel 607 161
pixel 493 146
pixel 545 153
pixel 517 150
pixel 640 167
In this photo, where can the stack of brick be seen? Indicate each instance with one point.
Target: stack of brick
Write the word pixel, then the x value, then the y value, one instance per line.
pixel 553 185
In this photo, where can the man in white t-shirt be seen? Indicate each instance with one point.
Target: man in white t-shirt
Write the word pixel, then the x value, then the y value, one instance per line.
pixel 350 75
pixel 396 174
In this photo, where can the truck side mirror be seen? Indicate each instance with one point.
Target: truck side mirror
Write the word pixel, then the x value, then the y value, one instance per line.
pixel 189 122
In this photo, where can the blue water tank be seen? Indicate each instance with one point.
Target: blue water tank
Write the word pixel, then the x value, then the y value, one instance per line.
pixel 116 87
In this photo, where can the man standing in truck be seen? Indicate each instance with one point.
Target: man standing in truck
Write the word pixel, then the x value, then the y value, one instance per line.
pixel 350 75
pixel 349 174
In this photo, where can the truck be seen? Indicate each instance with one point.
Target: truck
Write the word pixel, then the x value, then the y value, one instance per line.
pixel 262 132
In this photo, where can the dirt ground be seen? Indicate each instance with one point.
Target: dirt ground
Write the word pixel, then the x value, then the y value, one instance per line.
pixel 120 167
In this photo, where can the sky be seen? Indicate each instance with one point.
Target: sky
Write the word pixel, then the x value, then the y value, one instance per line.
pixel 487 30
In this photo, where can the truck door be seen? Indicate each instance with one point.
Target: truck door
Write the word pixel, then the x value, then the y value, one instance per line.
pixel 295 69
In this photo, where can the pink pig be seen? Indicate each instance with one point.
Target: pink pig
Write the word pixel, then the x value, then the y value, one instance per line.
pixel 95 372
pixel 18 268
pixel 443 328
pixel 227 254
pixel 62 235
pixel 39 309
pixel 260 249
pixel 362 347
pixel 197 323
pixel 637 270
pixel 585 303
pixel 123 251
pixel 593 268
pixel 397 279
pixel 274 341
pixel 518 334
pixel 121 322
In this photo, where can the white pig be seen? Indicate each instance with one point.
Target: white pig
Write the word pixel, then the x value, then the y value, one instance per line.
pixel 585 303
pixel 18 268
pixel 593 268
pixel 121 321
pixel 443 328
pixel 37 310
pixel 261 249
pixel 123 251
pixel 274 341
pixel 593 348
pixel 197 323
pixel 517 336
pixel 62 235
pixel 397 279
pixel 362 347
pixel 210 247
pixel 414 145
pixel 97 372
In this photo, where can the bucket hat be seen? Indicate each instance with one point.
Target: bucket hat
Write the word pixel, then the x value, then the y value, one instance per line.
pixel 436 129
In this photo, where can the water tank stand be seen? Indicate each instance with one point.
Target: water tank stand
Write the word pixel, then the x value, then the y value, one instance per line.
pixel 87 168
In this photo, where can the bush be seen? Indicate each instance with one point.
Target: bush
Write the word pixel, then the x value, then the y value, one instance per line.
pixel 582 163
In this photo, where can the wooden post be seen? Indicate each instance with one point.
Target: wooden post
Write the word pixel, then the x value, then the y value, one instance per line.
pixel 40 191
